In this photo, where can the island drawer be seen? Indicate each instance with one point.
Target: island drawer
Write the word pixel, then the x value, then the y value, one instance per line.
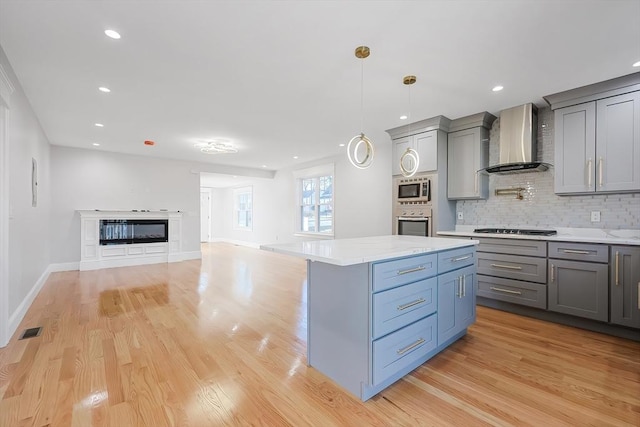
pixel 513 246
pixel 513 267
pixel 391 274
pixel 456 258
pixel 513 291
pixel 401 348
pixel 579 251
pixel 398 307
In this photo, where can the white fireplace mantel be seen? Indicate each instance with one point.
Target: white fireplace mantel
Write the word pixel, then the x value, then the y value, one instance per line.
pixel 94 256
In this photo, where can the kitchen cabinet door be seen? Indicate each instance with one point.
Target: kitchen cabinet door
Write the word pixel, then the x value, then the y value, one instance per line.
pixel 618 143
pixel 575 149
pixel 579 288
pixel 426 144
pixel 456 302
pixel 467 153
pixel 625 286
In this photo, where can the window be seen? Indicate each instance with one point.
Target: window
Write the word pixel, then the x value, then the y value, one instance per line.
pixel 315 200
pixel 243 208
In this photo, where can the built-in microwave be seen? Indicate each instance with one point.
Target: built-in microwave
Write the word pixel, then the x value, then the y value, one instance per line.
pixel 416 189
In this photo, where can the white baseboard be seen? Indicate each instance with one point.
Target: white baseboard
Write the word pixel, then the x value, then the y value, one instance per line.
pixel 16 317
pixel 237 242
pixel 64 266
pixel 191 255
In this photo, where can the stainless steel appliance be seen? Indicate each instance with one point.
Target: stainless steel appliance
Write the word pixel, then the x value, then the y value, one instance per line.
pixel 413 221
pixel 524 232
pixel 414 189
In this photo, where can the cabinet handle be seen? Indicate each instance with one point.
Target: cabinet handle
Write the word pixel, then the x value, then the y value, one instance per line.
pixel 509 267
pixel 410 346
pixel 464 286
pixel 459 290
pixel 505 291
pixel 411 304
pixel 589 172
pixel 553 272
pixel 617 268
pixel 600 162
pixel 462 258
pixel 411 270
pixel 573 251
pixel 638 295
pixel 475 186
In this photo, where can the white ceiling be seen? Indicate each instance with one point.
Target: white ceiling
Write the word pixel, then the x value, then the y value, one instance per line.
pixel 280 79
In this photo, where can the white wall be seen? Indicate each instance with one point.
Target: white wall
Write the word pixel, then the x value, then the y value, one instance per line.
pixel 29 235
pixel 362 205
pixel 93 179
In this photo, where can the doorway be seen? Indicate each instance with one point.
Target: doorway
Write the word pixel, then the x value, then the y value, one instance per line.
pixel 205 214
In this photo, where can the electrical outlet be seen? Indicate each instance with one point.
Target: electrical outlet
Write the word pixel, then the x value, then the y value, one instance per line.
pixel 460 215
pixel 595 216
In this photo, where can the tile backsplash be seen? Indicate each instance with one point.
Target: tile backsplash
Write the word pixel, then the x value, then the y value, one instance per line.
pixel 540 206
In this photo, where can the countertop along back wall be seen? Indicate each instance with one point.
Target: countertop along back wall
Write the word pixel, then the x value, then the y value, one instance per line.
pixel 541 207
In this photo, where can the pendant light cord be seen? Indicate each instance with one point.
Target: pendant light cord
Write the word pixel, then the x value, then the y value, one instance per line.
pixel 361 95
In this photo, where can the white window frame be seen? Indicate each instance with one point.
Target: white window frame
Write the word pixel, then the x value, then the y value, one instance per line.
pixel 236 208
pixel 309 173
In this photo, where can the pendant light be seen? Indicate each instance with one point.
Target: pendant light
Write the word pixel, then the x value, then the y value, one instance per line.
pixel 355 145
pixel 410 155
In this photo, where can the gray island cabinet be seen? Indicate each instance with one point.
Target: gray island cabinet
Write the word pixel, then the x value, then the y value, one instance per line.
pixel 379 307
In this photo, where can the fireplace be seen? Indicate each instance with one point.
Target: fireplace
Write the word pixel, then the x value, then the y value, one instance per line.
pixel 130 231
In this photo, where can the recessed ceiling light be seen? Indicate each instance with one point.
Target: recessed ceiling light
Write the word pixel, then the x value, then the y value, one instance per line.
pixel 636 64
pixel 113 34
pixel 104 89
pixel 100 125
pixel 95 144
pixel 264 166
pixel 403 117
pixel 497 88
pixel 341 145
pixel 295 157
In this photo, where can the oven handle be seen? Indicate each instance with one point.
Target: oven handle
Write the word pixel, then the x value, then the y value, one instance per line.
pixel 413 218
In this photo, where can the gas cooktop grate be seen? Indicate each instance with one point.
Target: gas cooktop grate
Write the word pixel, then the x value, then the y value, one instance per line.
pixel 520 231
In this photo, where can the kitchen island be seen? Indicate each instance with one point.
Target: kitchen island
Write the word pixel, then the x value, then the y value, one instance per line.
pixel 379 307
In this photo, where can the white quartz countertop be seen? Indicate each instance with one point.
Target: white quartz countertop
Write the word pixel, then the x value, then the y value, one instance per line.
pixel 366 249
pixel 580 235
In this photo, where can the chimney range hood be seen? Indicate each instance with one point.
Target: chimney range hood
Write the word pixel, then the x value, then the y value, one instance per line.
pixel 518 141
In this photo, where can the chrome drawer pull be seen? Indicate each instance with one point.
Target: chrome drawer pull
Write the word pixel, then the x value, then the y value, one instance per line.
pixel 573 251
pixel 510 267
pixel 464 286
pixel 410 346
pixel 505 290
pixel 600 172
pixel 589 166
pixel 462 258
pixel 617 268
pixel 553 273
pixel 411 304
pixel 411 270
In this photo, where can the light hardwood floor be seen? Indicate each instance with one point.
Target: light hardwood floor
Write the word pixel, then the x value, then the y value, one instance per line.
pixel 222 341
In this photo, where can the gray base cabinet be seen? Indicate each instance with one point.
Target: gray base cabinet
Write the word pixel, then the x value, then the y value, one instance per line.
pixel 579 289
pixel 625 286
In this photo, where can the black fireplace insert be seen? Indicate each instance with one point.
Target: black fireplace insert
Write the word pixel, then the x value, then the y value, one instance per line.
pixel 129 231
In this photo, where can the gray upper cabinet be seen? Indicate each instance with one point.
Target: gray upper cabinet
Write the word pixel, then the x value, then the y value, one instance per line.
pixel 426 144
pixel 467 153
pixel 625 286
pixel 618 143
pixel 575 140
pixel 597 137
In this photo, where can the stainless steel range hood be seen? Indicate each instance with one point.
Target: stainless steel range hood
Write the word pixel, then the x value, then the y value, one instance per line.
pixel 518 141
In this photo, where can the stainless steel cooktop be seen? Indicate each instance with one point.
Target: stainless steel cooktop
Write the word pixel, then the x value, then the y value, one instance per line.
pixel 520 231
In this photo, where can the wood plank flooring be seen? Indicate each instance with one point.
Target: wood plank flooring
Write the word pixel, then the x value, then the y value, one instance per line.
pixel 222 341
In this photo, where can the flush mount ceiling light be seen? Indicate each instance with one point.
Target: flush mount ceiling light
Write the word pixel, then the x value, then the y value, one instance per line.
pixel 216 146
pixel 113 34
pixel 410 159
pixel 361 142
